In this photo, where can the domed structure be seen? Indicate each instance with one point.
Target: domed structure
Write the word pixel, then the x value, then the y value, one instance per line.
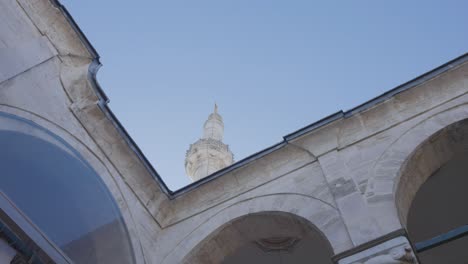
pixel 208 154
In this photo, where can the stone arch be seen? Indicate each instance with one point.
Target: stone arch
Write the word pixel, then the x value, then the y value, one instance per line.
pixel 425 160
pixel 265 233
pixel 323 217
pixel 431 193
pixel 57 135
pixel 391 189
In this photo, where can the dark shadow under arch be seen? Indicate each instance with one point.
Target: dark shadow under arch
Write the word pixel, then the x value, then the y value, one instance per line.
pixel 431 196
pixel 264 237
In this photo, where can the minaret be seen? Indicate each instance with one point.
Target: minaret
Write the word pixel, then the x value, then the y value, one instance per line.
pixel 208 154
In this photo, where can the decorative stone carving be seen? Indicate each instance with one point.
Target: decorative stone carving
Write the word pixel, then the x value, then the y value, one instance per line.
pixel 400 255
pixel 274 244
pixel 393 251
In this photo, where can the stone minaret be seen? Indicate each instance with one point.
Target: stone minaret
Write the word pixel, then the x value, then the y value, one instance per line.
pixel 208 154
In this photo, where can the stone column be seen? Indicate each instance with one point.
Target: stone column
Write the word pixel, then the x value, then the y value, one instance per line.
pixel 393 251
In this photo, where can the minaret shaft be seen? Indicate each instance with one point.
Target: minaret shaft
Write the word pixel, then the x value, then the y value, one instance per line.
pixel 209 154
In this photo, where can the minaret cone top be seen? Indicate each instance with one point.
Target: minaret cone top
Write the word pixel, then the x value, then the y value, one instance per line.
pixel 214 126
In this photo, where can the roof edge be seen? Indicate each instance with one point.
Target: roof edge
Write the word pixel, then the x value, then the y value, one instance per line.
pixel 104 100
pixel 381 98
pixel 328 120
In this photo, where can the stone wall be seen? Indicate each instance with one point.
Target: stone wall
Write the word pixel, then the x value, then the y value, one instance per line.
pixel 342 177
pixel 45 71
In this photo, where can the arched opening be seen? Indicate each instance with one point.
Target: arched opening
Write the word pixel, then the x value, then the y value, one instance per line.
pixel 49 185
pixel 267 237
pixel 432 195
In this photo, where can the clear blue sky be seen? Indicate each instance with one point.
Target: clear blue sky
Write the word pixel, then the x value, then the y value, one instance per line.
pixel 272 66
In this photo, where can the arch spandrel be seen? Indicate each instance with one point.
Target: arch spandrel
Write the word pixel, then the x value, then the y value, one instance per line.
pixel 324 218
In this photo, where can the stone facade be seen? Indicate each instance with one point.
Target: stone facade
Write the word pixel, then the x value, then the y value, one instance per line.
pixel 347 176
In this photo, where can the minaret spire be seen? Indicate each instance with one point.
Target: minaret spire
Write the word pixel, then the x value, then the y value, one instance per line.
pixel 214 126
pixel 209 154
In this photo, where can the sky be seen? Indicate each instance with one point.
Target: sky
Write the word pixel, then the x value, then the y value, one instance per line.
pixel 271 66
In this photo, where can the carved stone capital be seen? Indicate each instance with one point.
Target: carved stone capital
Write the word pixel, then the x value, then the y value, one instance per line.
pixel 394 251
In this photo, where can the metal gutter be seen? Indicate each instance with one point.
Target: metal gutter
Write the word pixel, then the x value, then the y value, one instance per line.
pixel 322 122
pixel 75 26
pixel 410 84
pixel 103 104
pixel 381 98
pixel 94 54
pixel 230 168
